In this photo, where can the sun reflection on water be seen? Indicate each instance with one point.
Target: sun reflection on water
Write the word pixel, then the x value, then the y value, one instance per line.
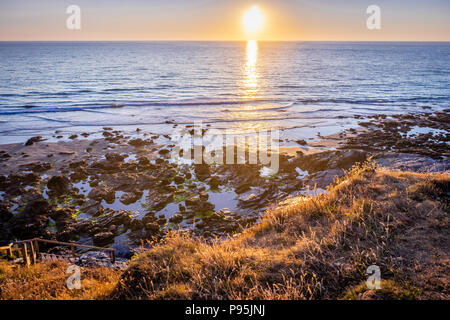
pixel 251 72
pixel 249 117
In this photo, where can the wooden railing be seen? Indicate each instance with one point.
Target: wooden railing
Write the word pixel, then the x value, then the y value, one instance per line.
pixel 30 249
pixel 9 249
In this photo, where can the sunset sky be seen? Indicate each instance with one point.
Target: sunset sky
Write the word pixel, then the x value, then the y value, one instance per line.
pixel 305 20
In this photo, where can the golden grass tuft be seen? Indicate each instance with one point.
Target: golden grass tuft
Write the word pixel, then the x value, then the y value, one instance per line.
pixel 47 281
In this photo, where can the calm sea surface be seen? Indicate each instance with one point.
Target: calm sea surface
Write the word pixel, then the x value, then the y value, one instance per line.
pixel 303 87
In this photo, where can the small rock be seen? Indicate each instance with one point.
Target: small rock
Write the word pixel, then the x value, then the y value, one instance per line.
pixel 103 238
pixel 33 140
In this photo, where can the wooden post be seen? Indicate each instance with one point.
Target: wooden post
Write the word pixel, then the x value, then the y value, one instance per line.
pixel 10 254
pixel 36 247
pixel 25 254
pixel 113 256
pixel 32 253
pixel 73 251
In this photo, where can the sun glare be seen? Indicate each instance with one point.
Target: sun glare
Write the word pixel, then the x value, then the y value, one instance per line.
pixel 253 20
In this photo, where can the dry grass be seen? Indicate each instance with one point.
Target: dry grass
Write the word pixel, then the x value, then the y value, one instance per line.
pixel 306 248
pixel 314 247
pixel 47 281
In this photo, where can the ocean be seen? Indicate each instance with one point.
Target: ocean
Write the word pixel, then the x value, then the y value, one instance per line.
pixel 302 88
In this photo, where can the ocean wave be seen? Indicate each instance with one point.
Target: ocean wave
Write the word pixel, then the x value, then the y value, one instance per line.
pixel 374 101
pixel 87 107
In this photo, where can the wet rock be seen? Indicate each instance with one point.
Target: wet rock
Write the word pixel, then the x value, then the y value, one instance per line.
pixel 130 197
pixel 32 195
pixel 107 165
pixel 161 220
pixel 80 174
pixel 152 227
pixel 84 227
pixel 149 217
pixel 202 171
pixel 178 179
pixel 77 164
pixel 114 157
pixel 122 251
pixel 158 200
pixel 59 185
pixel 113 228
pixel 330 160
pixel 124 181
pixel 92 207
pixel 4 155
pixel 347 159
pixel 325 178
pixel 63 217
pixel 32 222
pixel 102 192
pixel 176 218
pixel 138 142
pixel 257 197
pixel 33 140
pixel 411 162
pixel 37 166
pixel 193 202
pixel 103 238
pixel 19 179
pixel 136 224
pixel 145 181
pixel 143 161
pixel 114 218
pixel 164 152
pixel 243 187
pixel 214 182
pixel 198 204
pixel 203 196
pixel 74 136
pixel 14 190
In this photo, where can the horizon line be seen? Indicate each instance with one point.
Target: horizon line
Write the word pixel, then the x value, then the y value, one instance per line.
pixel 242 40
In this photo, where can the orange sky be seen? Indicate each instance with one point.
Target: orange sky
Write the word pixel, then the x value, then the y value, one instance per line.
pixel 329 20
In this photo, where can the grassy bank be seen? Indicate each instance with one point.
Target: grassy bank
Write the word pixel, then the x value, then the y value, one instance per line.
pixel 306 248
pixel 47 281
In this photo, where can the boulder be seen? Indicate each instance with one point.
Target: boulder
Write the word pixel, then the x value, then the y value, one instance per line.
pixel 59 185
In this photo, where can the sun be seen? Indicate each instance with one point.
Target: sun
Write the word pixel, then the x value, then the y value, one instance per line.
pixel 253 20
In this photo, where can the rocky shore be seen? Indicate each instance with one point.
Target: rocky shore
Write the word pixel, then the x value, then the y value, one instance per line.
pixel 122 190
